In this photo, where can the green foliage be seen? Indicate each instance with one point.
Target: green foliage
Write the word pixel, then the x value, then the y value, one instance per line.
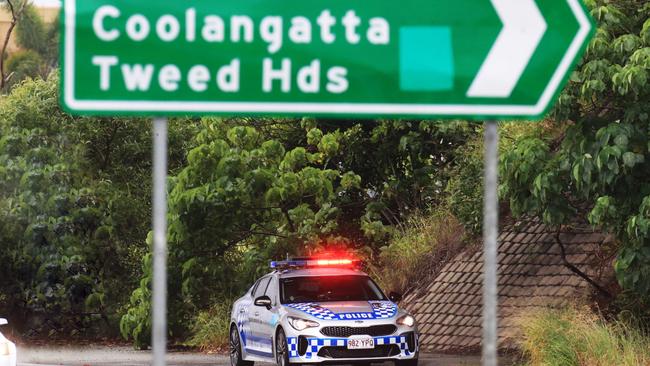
pixel 31 33
pixel 51 51
pixel 71 207
pixel 258 189
pixel 465 187
pixel 405 165
pixel 421 243
pixel 239 196
pixel 579 338
pixel 22 65
pixel 212 328
pixel 603 155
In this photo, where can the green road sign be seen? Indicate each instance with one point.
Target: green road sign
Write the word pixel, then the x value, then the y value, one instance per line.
pixel 469 58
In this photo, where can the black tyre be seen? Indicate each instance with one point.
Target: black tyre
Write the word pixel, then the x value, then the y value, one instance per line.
pixel 411 362
pixel 235 349
pixel 281 349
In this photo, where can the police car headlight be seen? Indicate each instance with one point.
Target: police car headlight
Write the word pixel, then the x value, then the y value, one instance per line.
pixel 301 324
pixel 407 320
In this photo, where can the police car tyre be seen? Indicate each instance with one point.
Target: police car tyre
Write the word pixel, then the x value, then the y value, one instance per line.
pixel 411 362
pixel 235 349
pixel 281 349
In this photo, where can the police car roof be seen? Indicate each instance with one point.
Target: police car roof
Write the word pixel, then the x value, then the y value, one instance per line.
pixel 315 272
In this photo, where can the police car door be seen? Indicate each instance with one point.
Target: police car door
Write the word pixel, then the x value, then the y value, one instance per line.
pixel 269 317
pixel 260 344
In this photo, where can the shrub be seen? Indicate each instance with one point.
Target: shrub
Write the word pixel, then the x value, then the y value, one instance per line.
pixel 23 64
pixel 424 241
pixel 211 328
pixel 465 187
pixel 579 338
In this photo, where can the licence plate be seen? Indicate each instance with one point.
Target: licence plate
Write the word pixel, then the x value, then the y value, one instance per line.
pixel 361 343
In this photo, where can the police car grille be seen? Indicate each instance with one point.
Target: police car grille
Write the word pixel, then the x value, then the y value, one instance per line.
pixel 344 332
pixel 387 350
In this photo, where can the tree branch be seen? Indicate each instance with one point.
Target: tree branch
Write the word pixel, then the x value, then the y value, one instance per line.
pixel 576 270
pixel 292 227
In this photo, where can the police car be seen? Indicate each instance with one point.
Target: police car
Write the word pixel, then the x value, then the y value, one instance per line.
pixel 7 349
pixel 320 311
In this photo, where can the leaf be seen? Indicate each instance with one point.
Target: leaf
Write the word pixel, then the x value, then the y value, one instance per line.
pixel 629 159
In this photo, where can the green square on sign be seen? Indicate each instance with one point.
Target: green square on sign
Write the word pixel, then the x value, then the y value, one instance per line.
pixel 426 59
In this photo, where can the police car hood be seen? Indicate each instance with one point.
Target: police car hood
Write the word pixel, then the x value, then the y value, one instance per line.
pixel 347 310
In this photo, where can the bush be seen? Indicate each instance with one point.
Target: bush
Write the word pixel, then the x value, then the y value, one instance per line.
pixel 579 338
pixel 211 328
pixel 23 64
pixel 465 187
pixel 423 242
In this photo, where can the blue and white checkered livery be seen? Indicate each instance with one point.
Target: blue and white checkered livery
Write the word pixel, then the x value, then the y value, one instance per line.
pixel 380 310
pixel 383 309
pixel 314 345
pixel 315 310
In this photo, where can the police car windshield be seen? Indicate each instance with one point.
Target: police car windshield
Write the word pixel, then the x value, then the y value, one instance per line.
pixel 329 288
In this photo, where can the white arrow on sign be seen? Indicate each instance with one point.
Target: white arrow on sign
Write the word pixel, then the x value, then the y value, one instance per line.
pixel 523 29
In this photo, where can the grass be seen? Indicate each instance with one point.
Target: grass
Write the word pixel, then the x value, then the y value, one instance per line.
pixel 211 328
pixel 422 243
pixel 574 337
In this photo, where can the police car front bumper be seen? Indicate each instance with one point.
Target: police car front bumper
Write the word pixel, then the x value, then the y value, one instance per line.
pixel 312 346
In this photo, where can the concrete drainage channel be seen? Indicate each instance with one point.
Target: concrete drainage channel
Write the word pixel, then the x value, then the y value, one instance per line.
pixel 126 356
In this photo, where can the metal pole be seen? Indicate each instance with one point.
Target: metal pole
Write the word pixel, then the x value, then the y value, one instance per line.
pixel 159 303
pixel 490 234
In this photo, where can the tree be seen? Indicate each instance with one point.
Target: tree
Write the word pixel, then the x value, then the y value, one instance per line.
pixel 74 204
pixel 16 8
pixel 602 155
pixel 405 166
pixel 239 196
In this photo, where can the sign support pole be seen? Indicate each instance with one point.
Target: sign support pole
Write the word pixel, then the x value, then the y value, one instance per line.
pixel 159 303
pixel 490 235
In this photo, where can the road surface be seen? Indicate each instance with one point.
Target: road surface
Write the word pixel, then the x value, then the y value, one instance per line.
pixel 125 356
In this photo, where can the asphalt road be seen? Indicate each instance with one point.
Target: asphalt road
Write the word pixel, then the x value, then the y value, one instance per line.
pixel 125 356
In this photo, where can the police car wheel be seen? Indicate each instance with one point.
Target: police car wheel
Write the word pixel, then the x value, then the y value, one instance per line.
pixel 411 362
pixel 281 349
pixel 235 349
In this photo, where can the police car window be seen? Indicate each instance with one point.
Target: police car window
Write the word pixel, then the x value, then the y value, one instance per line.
pixel 271 290
pixel 261 287
pixel 252 290
pixel 329 288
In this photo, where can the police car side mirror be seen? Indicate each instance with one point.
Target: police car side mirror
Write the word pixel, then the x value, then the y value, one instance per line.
pixel 395 297
pixel 264 301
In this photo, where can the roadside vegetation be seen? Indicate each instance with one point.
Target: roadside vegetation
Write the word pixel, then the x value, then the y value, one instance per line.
pixel 419 249
pixel 211 328
pixel 577 337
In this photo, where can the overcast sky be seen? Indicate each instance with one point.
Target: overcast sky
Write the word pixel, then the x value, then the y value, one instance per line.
pixel 55 3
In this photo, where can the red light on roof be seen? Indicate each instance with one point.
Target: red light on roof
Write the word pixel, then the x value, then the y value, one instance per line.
pixel 334 262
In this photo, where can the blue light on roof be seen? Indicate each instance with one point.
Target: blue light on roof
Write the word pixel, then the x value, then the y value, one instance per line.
pixel 290 263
